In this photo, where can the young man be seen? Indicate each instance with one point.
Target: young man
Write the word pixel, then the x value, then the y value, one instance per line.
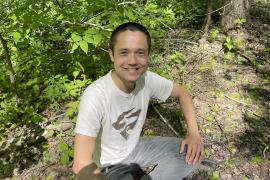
pixel 114 109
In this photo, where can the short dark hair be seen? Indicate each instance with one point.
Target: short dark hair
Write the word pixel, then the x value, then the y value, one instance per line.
pixel 131 26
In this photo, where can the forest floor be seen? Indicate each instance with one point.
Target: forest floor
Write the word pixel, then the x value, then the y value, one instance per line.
pixel 231 92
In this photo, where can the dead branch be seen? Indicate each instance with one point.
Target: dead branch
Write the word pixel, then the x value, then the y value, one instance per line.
pixel 236 100
pixel 52 119
pixel 165 121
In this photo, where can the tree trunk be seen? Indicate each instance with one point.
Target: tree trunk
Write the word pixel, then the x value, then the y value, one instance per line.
pixel 208 18
pixel 12 75
pixel 207 23
pixel 234 9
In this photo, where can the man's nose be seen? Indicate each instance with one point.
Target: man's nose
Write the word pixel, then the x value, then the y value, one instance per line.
pixel 132 59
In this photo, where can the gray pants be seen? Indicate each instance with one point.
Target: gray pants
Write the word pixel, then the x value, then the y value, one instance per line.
pixel 162 153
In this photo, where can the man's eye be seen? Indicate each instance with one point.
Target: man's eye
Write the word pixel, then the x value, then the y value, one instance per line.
pixel 141 53
pixel 123 53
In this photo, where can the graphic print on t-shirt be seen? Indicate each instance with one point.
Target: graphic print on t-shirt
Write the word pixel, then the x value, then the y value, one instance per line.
pixel 123 122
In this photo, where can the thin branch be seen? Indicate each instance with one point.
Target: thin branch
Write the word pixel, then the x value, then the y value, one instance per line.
pixel 104 50
pixel 123 3
pixel 51 119
pixel 264 151
pixel 81 66
pixel 223 7
pixel 236 100
pixel 165 121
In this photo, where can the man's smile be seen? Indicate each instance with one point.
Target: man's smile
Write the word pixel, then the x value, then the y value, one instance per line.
pixel 132 69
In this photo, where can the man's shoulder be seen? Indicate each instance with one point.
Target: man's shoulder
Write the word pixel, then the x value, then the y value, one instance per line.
pixel 150 75
pixel 98 86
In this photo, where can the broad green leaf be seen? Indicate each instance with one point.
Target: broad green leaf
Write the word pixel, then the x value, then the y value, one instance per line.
pixel 76 37
pixel 97 39
pixel 64 158
pixel 91 31
pixel 74 47
pixel 63 147
pixel 89 38
pixel 84 46
pixel 16 37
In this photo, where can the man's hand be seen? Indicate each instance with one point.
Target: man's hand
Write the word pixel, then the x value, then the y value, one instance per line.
pixel 194 149
pixel 90 171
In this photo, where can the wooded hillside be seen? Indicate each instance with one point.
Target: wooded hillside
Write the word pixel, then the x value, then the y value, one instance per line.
pixel 51 50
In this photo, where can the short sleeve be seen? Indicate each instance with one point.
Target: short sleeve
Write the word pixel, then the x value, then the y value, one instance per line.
pixel 90 114
pixel 159 87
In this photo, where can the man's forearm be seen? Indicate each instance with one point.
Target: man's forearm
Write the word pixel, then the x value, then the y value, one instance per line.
pixel 189 113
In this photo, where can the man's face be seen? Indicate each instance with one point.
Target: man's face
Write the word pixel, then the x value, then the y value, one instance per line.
pixel 130 56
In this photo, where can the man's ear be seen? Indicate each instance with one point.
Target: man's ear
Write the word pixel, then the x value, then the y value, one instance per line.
pixel 111 55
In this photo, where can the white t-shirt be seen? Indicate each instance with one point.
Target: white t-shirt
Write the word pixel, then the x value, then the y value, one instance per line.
pixel 117 115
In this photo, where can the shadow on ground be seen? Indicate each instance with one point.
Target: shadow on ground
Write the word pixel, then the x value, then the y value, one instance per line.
pixel 21 149
pixel 256 138
pixel 259 30
pixel 170 113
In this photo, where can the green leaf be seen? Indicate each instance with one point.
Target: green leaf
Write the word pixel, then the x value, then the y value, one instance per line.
pixel 130 14
pixel 91 31
pixel 75 37
pixel 215 176
pixel 89 38
pixel 84 46
pixel 63 147
pixel 60 17
pixel 228 39
pixel 97 39
pixel 73 92
pixel 16 37
pixel 13 17
pixel 74 47
pixel 75 74
pixel 106 33
pixel 71 153
pixel 64 159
